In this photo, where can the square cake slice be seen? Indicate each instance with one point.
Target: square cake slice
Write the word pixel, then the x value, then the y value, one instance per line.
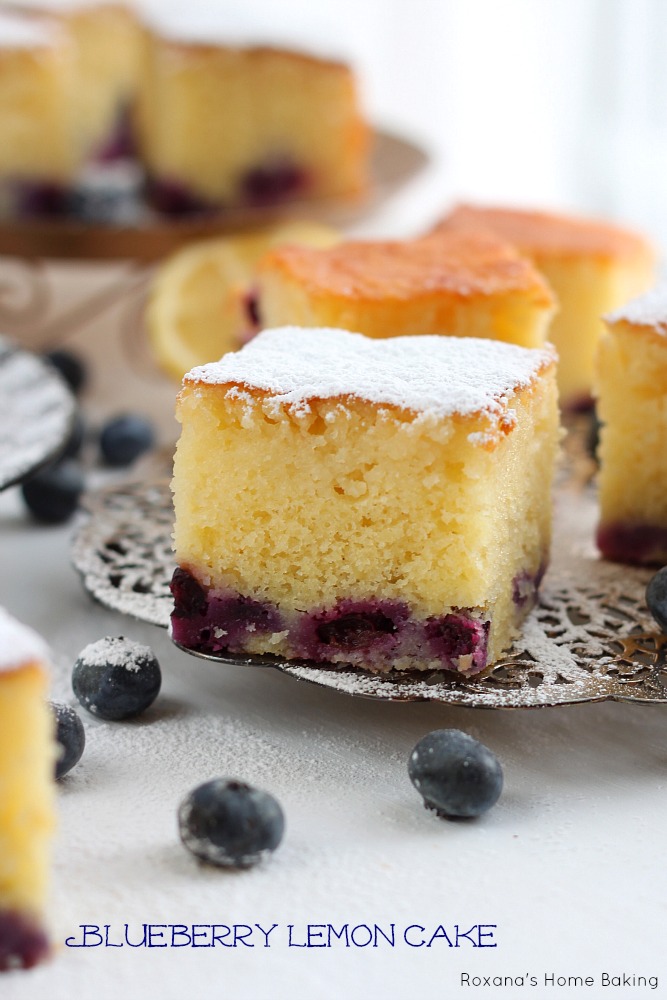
pixel 27 760
pixel 457 284
pixel 380 503
pixel 632 405
pixel 234 124
pixel 592 267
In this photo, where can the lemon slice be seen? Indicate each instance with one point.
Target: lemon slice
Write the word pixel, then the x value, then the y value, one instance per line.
pixel 196 308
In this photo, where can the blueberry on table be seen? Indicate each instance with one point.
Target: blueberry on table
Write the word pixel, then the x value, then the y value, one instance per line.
pixel 125 438
pixel 116 678
pixel 457 776
pixel 70 366
pixel 656 597
pixel 52 494
pixel 230 824
pixel 70 736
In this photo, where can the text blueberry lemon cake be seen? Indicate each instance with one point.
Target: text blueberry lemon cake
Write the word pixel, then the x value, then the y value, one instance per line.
pixel 27 756
pixel 469 285
pixel 592 267
pixel 632 405
pixel 383 503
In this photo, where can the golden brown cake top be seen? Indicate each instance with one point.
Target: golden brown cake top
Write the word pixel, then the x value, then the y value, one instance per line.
pixel 458 264
pixel 19 645
pixel 432 376
pixel 646 313
pixel 545 234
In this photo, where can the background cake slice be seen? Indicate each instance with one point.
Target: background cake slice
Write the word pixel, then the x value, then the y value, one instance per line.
pixel 468 285
pixel 37 86
pixel 591 266
pixel 224 124
pixel 632 405
pixel 27 756
pixel 348 500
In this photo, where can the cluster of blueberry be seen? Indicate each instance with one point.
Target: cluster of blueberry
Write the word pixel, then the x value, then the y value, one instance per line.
pixel 227 822
pixel 53 493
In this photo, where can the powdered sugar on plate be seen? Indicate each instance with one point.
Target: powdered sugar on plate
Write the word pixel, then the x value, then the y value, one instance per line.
pixel 430 375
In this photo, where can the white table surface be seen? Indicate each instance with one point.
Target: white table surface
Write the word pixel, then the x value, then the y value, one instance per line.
pixel 568 866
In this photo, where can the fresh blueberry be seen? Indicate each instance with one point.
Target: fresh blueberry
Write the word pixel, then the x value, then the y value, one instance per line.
pixel 229 823
pixel 70 366
pixel 457 776
pixel 656 597
pixel 125 438
pixel 70 736
pixel 116 678
pixel 52 494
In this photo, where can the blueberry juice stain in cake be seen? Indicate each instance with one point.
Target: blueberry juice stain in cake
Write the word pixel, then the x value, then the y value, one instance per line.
pixel 369 633
pixel 216 622
pixel 276 180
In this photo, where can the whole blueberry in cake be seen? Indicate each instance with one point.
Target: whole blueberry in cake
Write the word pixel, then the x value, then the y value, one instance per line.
pixel 27 787
pixel 380 503
pixel 116 678
pixel 632 376
pixel 456 775
pixel 229 823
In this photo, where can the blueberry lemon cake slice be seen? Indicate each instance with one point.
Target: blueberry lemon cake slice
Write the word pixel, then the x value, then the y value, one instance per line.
pixel 27 757
pixel 230 124
pixel 381 503
pixel 632 405
pixel 591 266
pixel 37 156
pixel 460 284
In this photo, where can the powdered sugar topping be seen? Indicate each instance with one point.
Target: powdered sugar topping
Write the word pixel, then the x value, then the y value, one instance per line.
pixel 431 375
pixel 19 644
pixel 116 651
pixel 649 309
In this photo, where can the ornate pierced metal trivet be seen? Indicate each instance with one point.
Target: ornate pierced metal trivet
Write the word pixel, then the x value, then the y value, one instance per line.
pixel 36 413
pixel 590 639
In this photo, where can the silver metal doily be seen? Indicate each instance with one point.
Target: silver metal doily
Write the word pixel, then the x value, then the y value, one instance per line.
pixel 36 413
pixel 590 639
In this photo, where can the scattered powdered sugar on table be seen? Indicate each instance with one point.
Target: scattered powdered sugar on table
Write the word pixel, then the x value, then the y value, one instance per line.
pixel 19 644
pixel 431 375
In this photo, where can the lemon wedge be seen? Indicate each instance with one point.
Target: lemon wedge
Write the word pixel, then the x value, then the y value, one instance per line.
pixel 196 309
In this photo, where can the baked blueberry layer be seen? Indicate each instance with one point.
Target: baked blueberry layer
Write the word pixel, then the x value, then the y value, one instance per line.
pixel 174 198
pixel 273 182
pixel 637 544
pixel 23 943
pixel 525 588
pixel 372 633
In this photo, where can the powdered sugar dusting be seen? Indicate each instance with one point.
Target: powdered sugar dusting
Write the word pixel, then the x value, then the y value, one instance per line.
pixel 430 375
pixel 649 309
pixel 19 644
pixel 116 651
